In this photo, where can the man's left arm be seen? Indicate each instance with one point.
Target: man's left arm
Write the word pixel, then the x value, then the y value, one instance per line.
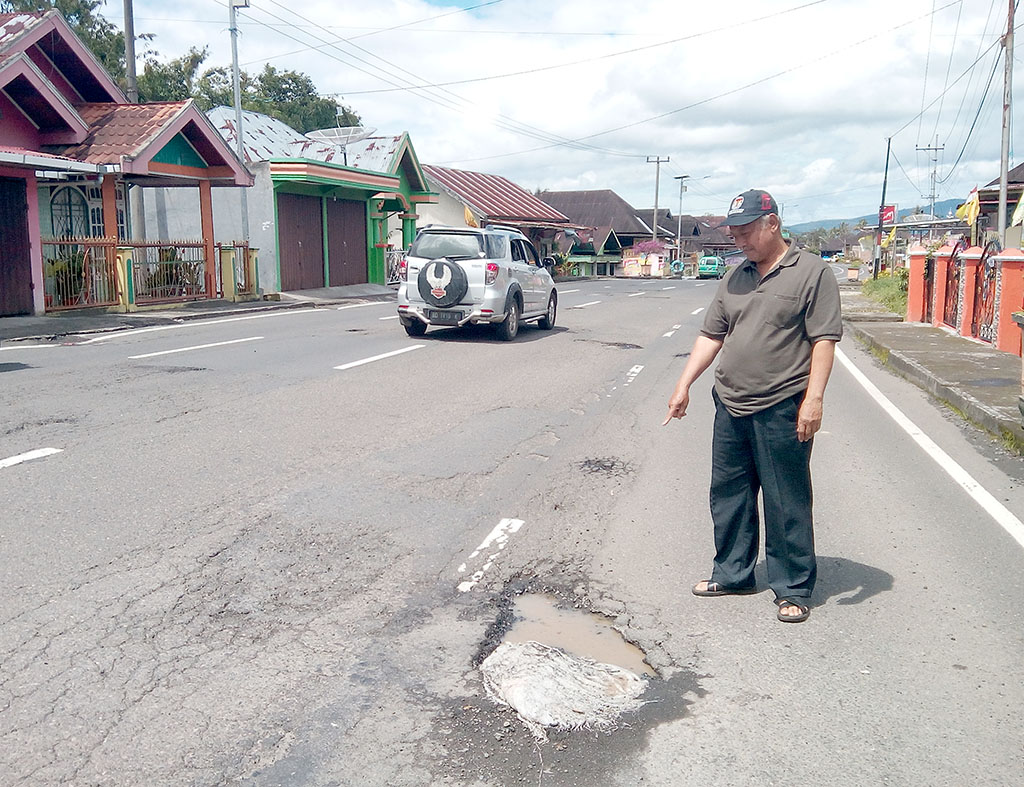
pixel 808 420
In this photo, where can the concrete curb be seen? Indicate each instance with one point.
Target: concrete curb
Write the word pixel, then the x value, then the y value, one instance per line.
pixel 975 411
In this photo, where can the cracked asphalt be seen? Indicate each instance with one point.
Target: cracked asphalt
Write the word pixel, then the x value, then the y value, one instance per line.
pixel 242 567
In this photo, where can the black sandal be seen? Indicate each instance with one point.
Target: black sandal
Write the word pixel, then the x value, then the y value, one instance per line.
pixel 715 589
pixel 805 611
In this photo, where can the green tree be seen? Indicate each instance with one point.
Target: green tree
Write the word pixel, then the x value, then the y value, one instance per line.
pixel 174 80
pixel 104 40
pixel 292 98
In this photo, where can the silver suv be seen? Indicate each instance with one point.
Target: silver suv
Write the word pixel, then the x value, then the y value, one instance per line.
pixel 465 275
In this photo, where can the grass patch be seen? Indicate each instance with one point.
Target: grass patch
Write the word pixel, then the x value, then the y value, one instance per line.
pixel 889 291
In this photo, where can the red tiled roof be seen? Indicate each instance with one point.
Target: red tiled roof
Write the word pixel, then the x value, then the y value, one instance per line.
pixel 117 130
pixel 493 196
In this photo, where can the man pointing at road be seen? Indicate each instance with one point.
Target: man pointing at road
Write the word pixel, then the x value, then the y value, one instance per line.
pixel 775 320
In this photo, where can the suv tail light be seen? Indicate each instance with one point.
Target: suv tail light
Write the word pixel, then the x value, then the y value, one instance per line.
pixel 403 269
pixel 492 273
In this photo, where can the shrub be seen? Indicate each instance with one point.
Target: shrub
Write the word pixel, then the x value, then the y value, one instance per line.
pixel 888 290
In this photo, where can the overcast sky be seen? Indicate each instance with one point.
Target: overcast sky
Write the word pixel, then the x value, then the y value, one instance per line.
pixel 794 96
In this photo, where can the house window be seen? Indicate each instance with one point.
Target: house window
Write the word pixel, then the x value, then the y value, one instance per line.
pixel 70 213
pixel 78 212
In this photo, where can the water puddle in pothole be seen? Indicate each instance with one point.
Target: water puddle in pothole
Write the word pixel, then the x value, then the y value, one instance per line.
pixel 539 618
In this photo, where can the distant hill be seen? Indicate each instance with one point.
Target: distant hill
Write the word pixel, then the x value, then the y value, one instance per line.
pixel 941 209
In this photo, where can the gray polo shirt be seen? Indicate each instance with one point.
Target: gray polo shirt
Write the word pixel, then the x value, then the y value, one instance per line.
pixel 768 327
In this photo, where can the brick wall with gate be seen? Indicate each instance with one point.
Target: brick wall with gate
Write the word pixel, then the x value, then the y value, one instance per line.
pixel 971 290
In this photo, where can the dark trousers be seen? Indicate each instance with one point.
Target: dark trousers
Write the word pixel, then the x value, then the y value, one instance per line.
pixel 761 452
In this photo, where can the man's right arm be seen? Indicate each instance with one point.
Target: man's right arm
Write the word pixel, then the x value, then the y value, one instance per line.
pixel 701 356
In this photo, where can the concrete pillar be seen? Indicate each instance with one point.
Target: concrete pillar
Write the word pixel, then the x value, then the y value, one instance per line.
pixel 125 267
pixel 917 285
pixel 1011 299
pixel 228 286
pixel 206 223
pixel 939 268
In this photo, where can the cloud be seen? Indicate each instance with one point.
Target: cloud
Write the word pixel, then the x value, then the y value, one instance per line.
pixel 795 94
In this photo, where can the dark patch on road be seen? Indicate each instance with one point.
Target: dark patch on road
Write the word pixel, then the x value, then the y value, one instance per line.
pixel 616 345
pixel 992 382
pixel 37 424
pixel 14 367
pixel 356 330
pixel 179 369
pixel 681 355
pixel 608 466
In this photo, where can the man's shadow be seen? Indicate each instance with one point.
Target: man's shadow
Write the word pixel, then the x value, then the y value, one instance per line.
pixel 837 576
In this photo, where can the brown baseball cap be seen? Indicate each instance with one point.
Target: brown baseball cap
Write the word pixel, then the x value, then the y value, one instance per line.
pixel 749 206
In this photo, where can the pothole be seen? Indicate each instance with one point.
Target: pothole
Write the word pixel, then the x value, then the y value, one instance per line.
pixel 561 668
pixel 538 617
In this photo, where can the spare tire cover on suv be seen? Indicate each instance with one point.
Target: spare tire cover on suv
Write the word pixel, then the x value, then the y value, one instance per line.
pixel 442 282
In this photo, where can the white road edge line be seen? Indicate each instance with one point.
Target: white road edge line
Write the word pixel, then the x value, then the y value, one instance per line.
pixel 585 305
pixel 498 537
pixel 1000 513
pixel 194 347
pixel 28 456
pixel 380 357
pixel 29 346
pixel 191 323
pixel 697 311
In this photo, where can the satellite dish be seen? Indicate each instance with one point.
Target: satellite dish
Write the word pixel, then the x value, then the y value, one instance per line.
pixel 341 136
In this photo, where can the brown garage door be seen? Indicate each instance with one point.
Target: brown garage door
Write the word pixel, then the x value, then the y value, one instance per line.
pixel 300 242
pixel 346 242
pixel 15 262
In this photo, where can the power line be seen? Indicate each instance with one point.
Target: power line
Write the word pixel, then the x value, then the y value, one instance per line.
pixel 598 58
pixel 739 89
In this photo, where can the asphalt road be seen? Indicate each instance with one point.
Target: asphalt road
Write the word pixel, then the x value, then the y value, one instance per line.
pixel 251 561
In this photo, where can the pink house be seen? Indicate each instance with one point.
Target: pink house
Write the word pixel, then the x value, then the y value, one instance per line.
pixel 71 150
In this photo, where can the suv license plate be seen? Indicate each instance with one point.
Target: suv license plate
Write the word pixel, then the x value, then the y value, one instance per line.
pixel 448 318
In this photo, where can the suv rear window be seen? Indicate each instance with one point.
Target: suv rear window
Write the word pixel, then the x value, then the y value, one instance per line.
pixel 497 247
pixel 436 244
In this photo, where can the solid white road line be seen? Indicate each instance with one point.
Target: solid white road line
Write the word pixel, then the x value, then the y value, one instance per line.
pixel 28 456
pixel 585 305
pixel 674 329
pixel 380 357
pixel 497 538
pixel 1010 523
pixel 697 311
pixel 634 294
pixel 28 346
pixel 194 347
pixel 197 323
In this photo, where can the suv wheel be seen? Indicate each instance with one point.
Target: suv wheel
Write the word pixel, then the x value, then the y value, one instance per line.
pixel 507 330
pixel 547 322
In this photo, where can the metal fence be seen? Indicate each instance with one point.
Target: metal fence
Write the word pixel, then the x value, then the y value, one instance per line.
pixel 79 272
pixel 392 265
pixel 168 270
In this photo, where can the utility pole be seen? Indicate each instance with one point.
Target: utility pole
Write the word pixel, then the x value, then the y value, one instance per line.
pixel 129 53
pixel 236 85
pixel 1004 152
pixel 137 203
pixel 934 179
pixel 881 209
pixel 657 161
pixel 679 217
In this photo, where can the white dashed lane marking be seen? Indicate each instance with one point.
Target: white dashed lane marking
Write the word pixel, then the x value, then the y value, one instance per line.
pixel 585 305
pixel 697 311
pixel 674 329
pixel 380 357
pixel 634 294
pixel 497 540
pixel 28 456
pixel 194 347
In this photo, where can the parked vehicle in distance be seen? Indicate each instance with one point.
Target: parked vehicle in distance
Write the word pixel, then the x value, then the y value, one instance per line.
pixel 456 276
pixel 711 268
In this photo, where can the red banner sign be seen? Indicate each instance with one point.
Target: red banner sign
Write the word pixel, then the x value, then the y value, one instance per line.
pixel 888 214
